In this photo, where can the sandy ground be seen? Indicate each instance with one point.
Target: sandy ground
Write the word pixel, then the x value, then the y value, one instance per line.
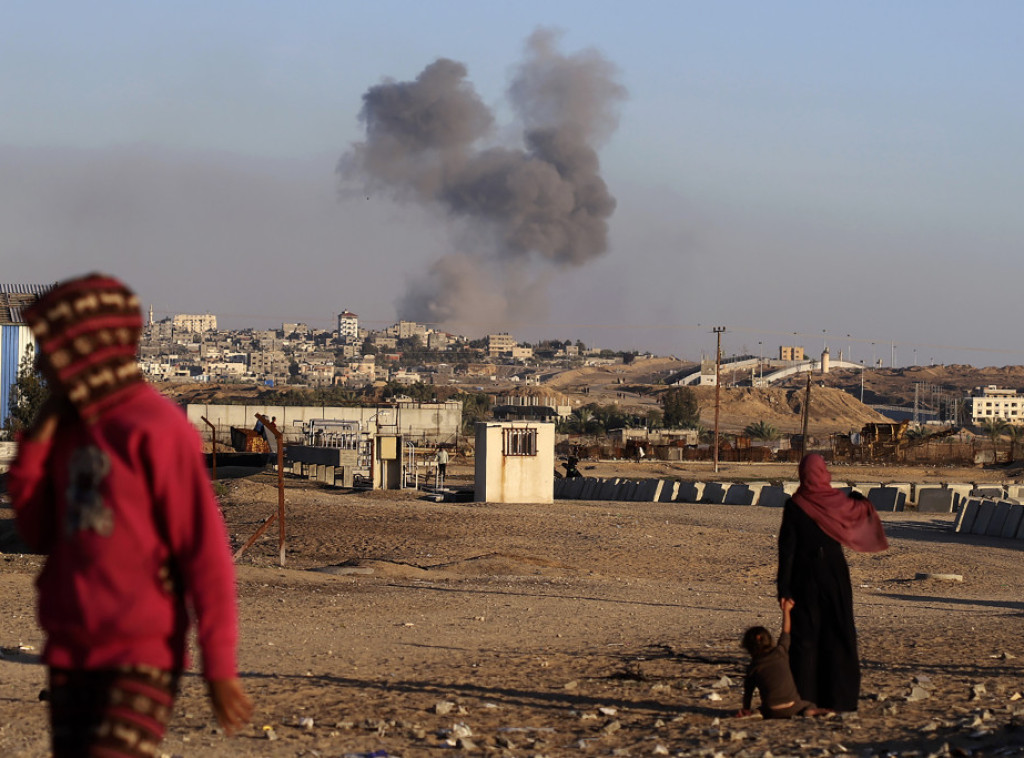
pixel 576 628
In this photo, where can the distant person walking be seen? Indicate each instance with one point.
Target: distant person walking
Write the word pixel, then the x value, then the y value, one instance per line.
pixel 441 458
pixel 816 523
pixel 640 452
pixel 110 484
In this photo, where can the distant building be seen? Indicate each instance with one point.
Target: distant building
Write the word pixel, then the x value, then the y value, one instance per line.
pixel 789 353
pixel 193 323
pixel 348 326
pixel 498 344
pixel 408 329
pixel 15 336
pixel 438 340
pixel 994 402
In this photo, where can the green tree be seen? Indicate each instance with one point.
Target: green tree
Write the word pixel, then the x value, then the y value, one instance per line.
pixel 475 407
pixel 681 408
pixel 995 428
pixel 28 393
pixel 762 430
pixel 1015 432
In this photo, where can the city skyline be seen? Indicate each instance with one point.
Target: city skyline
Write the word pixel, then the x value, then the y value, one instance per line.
pixel 835 174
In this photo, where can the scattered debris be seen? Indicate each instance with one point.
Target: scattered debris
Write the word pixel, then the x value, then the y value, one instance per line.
pixel 918 693
pixel 941 577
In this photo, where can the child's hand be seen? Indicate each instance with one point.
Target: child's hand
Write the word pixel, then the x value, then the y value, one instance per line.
pixel 786 603
pixel 231 705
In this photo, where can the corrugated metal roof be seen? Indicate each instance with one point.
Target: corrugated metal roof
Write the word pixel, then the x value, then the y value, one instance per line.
pixel 15 297
pixel 25 289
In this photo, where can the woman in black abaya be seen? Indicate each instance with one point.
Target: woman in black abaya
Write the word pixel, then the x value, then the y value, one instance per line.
pixel 816 523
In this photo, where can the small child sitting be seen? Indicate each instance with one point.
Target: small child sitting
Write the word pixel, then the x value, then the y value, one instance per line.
pixel 769 672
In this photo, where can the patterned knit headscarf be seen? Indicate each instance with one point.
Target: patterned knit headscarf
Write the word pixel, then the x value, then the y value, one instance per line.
pixel 88 329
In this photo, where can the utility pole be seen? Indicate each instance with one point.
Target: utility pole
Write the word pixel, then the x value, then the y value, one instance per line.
pixel 718 386
pixel 807 414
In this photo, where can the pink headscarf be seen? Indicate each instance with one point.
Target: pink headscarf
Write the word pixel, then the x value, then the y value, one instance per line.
pixel 851 522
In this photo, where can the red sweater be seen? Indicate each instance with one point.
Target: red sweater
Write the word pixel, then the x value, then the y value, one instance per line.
pixel 113 504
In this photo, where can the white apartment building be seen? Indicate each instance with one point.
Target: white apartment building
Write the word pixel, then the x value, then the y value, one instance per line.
pixel 191 322
pixel 995 402
pixel 348 326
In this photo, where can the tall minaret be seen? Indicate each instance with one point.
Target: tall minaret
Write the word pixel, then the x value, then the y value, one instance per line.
pixel 151 314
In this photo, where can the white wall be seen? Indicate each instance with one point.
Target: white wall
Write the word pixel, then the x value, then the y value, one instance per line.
pixel 438 422
pixel 504 478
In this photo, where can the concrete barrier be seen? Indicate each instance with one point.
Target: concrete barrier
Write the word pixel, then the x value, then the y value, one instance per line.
pixel 986 492
pixel 965 520
pixel 995 524
pixel 738 494
pixel 772 497
pixel 627 490
pixel 690 492
pixel 669 490
pixel 963 491
pixel 1013 521
pixel 918 490
pixel 888 499
pixel 574 487
pixel 608 489
pixel 648 490
pixel 864 487
pixel 714 493
pixel 744 494
pixel 985 510
pixel 934 500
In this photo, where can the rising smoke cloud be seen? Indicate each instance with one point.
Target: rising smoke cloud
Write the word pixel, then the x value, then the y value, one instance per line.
pixel 514 211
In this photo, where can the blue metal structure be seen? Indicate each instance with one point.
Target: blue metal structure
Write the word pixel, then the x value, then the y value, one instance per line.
pixel 15 336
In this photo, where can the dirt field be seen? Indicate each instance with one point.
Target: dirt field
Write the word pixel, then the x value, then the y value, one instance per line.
pixel 577 628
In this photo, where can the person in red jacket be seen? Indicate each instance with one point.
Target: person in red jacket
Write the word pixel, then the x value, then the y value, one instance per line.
pixel 109 482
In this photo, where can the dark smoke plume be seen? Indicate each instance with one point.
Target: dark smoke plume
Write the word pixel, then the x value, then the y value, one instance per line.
pixel 514 207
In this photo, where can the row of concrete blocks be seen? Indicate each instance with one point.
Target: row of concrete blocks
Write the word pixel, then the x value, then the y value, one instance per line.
pixel 945 498
pixel 992 518
pixel 332 476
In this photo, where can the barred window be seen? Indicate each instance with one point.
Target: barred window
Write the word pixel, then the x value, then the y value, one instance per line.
pixel 519 442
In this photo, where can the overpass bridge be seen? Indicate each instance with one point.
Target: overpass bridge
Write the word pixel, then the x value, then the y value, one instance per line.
pixel 777 370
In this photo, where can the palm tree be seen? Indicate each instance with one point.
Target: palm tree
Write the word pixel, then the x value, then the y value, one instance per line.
pixel 995 428
pixel 1016 434
pixel 762 430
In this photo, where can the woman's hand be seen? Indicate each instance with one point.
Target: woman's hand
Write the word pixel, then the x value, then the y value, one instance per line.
pixel 231 705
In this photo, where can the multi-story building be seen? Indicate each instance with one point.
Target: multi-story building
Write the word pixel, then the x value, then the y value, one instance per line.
pixel 189 322
pixel 408 329
pixel 790 353
pixel 497 344
pixel 995 402
pixel 438 340
pixel 348 326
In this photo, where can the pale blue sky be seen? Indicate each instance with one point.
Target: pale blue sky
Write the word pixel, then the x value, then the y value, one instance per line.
pixel 779 168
